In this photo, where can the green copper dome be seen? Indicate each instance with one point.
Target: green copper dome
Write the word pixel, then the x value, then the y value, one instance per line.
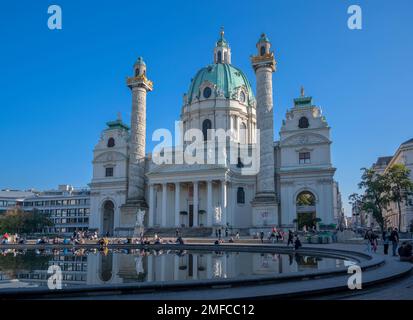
pixel 227 79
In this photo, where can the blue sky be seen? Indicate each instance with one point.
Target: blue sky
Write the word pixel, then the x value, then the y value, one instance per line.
pixel 58 88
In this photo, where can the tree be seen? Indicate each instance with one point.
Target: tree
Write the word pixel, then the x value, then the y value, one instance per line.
pixel 17 220
pixel 376 194
pixel 356 202
pixel 401 187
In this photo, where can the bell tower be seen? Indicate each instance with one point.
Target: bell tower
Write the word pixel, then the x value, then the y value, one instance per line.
pixel 264 205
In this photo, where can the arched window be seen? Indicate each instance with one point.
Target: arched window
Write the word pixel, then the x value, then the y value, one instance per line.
pixel 137 72
pixel 305 198
pixel 240 195
pixel 111 143
pixel 207 92
pixel 243 133
pixel 219 56
pixel 206 125
pixel 262 50
pixel 303 123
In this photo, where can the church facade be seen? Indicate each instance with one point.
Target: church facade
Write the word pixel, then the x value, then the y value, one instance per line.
pixel 293 186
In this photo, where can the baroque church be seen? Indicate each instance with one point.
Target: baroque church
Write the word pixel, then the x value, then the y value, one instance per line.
pixel 294 185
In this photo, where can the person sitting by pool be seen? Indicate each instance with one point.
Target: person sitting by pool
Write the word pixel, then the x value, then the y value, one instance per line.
pixel 158 240
pixel 216 242
pixel 231 240
pixel 79 241
pixel 103 242
pixel 405 252
pixel 179 240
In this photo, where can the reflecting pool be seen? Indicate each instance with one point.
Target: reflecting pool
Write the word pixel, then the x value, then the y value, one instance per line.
pixel 29 268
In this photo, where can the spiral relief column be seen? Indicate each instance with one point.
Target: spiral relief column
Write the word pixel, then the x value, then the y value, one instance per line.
pixel 265 206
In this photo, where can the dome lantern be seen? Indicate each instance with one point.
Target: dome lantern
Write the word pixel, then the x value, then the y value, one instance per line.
pixel 222 51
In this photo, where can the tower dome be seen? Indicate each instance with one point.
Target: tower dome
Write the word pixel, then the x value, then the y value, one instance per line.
pixel 221 79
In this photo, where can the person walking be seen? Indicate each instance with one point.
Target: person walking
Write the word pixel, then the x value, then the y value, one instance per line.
pixel 262 236
pixel 394 238
pixel 290 237
pixel 386 241
pixel 219 233
pixel 374 242
pixel 368 237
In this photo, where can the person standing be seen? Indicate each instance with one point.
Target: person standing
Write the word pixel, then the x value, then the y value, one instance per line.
pixel 297 243
pixel 262 236
pixel 386 241
pixel 394 238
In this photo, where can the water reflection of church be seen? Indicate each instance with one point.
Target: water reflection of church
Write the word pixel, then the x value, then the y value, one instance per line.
pixel 149 266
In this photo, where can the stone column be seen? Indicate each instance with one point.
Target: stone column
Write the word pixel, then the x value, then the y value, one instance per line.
pixel 265 121
pixel 223 202
pixel 264 203
pixel 210 210
pixel 151 206
pixel 177 202
pixel 137 144
pixel 139 86
pixel 195 203
pixel 164 204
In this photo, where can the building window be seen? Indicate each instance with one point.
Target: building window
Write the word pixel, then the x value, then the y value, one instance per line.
pixel 240 195
pixel 303 123
pixel 262 50
pixel 109 172
pixel 206 125
pixel 111 143
pixel 219 56
pixel 207 92
pixel 304 157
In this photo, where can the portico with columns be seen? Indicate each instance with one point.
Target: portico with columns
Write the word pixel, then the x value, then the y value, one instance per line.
pixel 182 200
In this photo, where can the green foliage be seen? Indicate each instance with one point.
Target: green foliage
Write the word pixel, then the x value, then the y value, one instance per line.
pixel 17 220
pixel 401 187
pixel 376 195
pixel 380 189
